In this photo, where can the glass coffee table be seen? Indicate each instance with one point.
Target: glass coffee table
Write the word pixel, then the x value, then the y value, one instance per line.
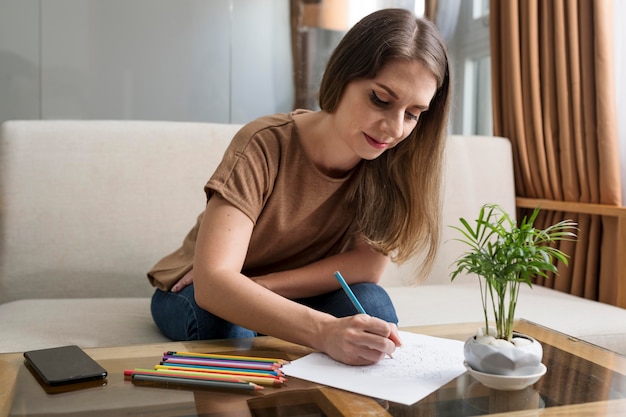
pixel 582 380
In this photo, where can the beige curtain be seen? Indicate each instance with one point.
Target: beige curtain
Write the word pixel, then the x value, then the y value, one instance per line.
pixel 554 98
pixel 430 9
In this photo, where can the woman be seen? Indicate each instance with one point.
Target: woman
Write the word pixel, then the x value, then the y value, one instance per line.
pixel 301 195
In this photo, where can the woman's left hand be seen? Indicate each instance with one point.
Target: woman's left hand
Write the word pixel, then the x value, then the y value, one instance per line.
pixel 186 280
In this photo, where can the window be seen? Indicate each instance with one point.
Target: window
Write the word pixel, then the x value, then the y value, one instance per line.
pixel 471 69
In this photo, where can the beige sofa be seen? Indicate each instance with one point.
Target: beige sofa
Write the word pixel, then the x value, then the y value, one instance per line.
pixel 86 208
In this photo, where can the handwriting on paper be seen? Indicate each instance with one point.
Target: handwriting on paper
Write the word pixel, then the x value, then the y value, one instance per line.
pixel 419 367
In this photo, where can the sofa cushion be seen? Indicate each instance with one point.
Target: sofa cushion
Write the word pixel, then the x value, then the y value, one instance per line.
pixel 459 302
pixel 95 322
pixel 104 322
pixel 88 207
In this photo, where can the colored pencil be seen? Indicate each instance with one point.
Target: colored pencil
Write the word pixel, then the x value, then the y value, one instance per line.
pixel 349 293
pixel 229 378
pixel 231 357
pixel 221 363
pixel 190 367
pixel 168 379
pixel 228 371
pixel 192 364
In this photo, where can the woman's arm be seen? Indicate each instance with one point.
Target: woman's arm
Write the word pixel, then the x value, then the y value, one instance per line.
pixel 359 264
pixel 220 288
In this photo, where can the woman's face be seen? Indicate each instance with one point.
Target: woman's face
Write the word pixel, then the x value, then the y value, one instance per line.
pixel 376 114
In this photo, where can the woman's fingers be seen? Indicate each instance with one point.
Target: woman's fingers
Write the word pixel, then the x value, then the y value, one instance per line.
pixel 394 336
pixel 186 280
pixel 361 340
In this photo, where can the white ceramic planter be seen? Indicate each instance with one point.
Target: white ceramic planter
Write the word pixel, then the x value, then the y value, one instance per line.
pixel 507 360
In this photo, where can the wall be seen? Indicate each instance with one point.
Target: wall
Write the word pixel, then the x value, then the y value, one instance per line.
pixel 188 60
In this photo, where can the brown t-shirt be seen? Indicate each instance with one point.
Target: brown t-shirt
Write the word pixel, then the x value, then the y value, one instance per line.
pixel 300 215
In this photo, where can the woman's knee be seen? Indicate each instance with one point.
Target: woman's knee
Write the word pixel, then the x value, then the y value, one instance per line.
pixel 376 301
pixel 179 317
pixel 175 314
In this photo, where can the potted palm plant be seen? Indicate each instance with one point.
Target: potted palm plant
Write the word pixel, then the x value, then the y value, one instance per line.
pixel 505 256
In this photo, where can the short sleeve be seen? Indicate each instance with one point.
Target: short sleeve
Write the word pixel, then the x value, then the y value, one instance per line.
pixel 247 173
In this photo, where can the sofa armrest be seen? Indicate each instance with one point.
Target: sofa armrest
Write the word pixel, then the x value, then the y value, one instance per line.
pixel 616 212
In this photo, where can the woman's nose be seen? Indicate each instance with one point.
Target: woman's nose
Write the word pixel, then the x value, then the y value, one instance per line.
pixel 394 126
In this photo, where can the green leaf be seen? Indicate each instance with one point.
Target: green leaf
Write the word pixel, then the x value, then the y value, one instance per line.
pixel 504 254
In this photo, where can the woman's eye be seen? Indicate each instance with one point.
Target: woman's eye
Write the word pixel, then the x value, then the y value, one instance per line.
pixel 411 116
pixel 381 103
pixel 376 100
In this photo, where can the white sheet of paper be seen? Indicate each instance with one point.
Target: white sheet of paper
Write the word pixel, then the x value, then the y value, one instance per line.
pixel 421 366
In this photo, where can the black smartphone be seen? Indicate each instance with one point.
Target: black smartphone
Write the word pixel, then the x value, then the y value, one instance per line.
pixel 64 365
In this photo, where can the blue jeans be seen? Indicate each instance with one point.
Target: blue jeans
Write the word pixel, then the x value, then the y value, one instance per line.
pixel 178 316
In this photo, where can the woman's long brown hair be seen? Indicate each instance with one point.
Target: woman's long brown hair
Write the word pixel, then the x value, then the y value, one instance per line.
pixel 398 195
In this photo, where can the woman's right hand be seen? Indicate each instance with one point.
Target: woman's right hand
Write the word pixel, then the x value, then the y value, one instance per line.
pixel 221 288
pixel 359 339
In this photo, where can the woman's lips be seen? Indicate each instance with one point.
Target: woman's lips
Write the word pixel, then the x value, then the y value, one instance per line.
pixel 373 142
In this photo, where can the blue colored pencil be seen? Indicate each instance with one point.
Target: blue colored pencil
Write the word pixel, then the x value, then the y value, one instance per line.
pixel 349 293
